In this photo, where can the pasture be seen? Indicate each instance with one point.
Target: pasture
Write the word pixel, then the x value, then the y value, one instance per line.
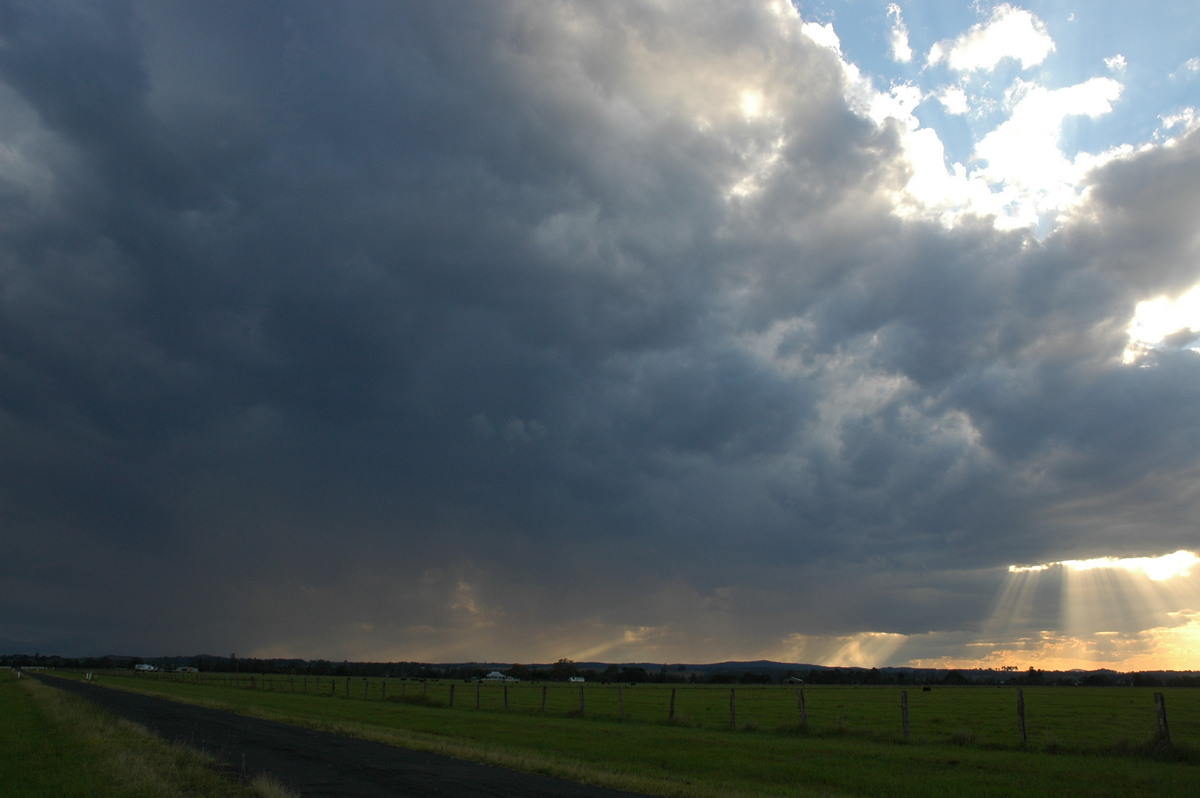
pixel 960 741
pixel 1078 719
pixel 53 745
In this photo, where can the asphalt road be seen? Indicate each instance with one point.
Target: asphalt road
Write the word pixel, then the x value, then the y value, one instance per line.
pixel 314 763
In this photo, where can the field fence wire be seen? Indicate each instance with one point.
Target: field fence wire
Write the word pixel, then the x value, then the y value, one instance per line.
pixel 1044 717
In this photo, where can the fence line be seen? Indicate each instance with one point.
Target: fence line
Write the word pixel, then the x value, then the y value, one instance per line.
pixel 755 706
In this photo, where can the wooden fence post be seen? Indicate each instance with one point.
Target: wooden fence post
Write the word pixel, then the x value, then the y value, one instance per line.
pixel 671 711
pixel 506 696
pixel 1164 731
pixel 543 698
pixel 732 708
pixel 383 690
pixel 904 711
pixel 803 707
pixel 347 687
pixel 452 696
pixel 1021 715
pixel 478 687
pixel 366 684
pixel 581 699
pixel 620 702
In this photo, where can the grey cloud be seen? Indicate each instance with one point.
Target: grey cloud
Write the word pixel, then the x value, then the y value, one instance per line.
pixel 1144 205
pixel 454 306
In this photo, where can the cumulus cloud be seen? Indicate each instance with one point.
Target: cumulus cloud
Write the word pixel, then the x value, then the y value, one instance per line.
pixel 954 100
pixel 1116 63
pixel 1023 154
pixel 542 329
pixel 1010 32
pixel 901 50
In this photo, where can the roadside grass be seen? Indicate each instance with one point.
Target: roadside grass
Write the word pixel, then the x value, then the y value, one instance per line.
pixel 960 749
pixel 53 744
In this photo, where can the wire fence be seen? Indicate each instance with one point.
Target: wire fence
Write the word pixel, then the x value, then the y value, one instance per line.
pixel 1046 718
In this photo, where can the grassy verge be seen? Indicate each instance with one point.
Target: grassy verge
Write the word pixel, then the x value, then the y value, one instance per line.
pixel 53 744
pixel 684 760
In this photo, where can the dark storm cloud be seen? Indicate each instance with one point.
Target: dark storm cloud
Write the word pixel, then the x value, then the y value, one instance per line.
pixel 428 331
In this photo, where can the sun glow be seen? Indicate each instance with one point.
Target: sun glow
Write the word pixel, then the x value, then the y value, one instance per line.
pixel 1157 569
pixel 862 650
pixel 620 643
pixel 1157 319
pixel 1125 613
pixel 752 103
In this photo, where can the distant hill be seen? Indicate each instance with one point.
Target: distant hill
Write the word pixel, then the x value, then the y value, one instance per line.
pixel 731 671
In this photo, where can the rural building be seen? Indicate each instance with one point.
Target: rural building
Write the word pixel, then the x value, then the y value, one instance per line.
pixel 497 676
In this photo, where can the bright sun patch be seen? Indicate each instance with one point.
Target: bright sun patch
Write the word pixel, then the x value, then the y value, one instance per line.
pixel 752 104
pixel 1157 319
pixel 1157 569
pixel 1115 612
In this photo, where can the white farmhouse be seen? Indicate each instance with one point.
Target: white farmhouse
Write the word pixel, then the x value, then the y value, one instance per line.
pixel 497 676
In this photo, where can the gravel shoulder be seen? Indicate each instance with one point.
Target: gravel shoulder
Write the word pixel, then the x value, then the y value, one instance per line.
pixel 314 763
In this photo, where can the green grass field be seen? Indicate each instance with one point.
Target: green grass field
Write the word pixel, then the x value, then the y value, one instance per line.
pixel 1077 719
pixel 963 740
pixel 56 745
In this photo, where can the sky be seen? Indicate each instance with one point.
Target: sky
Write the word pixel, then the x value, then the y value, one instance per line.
pixel 843 333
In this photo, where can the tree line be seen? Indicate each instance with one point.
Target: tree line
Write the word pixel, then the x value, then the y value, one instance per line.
pixel 565 669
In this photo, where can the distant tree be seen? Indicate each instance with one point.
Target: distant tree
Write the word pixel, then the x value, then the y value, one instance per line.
pixel 749 677
pixel 634 674
pixel 1146 680
pixel 1033 676
pixel 563 670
